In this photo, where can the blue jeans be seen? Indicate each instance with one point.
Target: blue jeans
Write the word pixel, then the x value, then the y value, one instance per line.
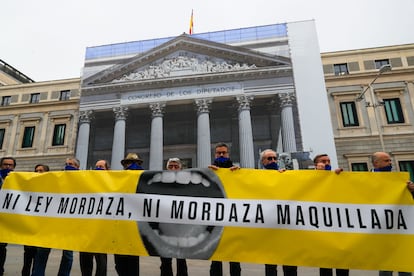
pixel 40 262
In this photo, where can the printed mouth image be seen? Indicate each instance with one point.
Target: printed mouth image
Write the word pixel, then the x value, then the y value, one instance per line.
pixel 185 241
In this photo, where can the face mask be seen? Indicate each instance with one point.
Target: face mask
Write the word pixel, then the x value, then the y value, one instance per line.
pixel 134 166
pixel 223 162
pixel 4 173
pixel 328 167
pixel 384 169
pixel 70 168
pixel 272 166
pixel 99 169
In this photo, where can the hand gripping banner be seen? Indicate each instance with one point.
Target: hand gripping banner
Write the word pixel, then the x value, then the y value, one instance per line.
pixel 359 220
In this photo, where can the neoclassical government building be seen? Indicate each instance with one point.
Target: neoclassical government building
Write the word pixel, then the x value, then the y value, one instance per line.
pixel 252 88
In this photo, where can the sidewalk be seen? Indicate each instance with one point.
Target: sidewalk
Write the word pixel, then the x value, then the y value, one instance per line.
pixel 149 266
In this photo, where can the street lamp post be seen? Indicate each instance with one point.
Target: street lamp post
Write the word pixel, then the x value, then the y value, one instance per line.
pixel 375 104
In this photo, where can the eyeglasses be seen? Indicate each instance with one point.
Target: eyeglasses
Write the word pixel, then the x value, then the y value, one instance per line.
pixel 270 158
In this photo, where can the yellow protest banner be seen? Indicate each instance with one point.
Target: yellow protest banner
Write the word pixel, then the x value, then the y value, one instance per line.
pixel 305 218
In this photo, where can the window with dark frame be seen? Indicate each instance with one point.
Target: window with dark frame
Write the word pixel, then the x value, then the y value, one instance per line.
pixel 5 100
pixel 64 95
pixel 34 97
pixel 349 114
pixel 28 137
pixel 407 166
pixel 359 167
pixel 59 135
pixel 341 69
pixel 393 111
pixel 381 62
pixel 2 132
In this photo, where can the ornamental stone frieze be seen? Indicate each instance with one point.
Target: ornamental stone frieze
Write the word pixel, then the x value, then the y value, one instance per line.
pixel 183 65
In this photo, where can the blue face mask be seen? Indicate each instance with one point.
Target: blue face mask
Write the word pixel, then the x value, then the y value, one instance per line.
pixel 134 166
pixel 223 162
pixel 4 173
pixel 70 168
pixel 328 167
pixel 384 169
pixel 99 169
pixel 272 166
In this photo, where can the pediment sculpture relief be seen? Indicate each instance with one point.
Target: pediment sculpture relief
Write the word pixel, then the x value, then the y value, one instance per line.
pixel 183 65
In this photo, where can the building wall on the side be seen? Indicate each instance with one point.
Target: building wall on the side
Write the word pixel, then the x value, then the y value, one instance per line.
pixel 357 73
pixel 38 106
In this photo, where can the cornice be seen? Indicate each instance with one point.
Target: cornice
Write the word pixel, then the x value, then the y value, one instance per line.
pixel 187 80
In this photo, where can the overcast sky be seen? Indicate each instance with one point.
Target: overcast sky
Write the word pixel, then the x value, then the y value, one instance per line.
pixel 46 39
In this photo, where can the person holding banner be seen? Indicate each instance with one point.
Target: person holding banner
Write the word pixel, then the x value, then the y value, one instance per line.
pixel 222 160
pixel 173 164
pixel 268 158
pixel 86 258
pixel 381 161
pixel 323 162
pixel 7 164
pixel 42 254
pixel 128 265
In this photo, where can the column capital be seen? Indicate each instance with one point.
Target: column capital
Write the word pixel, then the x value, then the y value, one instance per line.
pixel 244 102
pixel 286 99
pixel 157 109
pixel 120 112
pixel 203 105
pixel 85 116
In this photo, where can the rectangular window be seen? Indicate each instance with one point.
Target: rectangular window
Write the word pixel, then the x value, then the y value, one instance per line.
pixel 359 167
pixel 34 98
pixel 59 135
pixel 2 132
pixel 341 69
pixel 349 115
pixel 393 111
pixel 64 95
pixel 6 100
pixel 407 166
pixel 381 62
pixel 28 137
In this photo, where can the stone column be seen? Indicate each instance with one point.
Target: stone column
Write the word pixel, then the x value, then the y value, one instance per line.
pixel 156 146
pixel 288 125
pixel 203 133
pixel 82 146
pixel 118 143
pixel 245 132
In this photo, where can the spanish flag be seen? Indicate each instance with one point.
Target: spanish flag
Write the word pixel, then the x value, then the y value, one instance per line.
pixel 191 23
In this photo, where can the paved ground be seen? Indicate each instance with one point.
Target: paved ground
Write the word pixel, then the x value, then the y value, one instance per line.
pixel 149 266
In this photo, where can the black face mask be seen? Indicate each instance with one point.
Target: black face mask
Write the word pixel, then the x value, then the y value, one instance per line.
pixel 223 162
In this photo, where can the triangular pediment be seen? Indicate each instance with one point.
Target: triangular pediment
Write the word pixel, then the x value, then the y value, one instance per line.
pixel 185 56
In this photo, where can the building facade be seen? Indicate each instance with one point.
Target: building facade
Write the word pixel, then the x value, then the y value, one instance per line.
pixel 371 99
pixel 250 88
pixel 38 122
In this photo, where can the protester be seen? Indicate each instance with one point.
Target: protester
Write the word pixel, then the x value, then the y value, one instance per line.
pixel 268 158
pixel 128 265
pixel 222 160
pixel 42 254
pixel 86 258
pixel 173 164
pixel 381 161
pixel 323 162
pixel 7 164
